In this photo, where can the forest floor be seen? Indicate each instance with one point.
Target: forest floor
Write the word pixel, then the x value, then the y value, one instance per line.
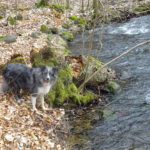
pixel 19 126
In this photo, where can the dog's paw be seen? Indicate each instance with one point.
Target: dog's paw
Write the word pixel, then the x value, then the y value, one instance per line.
pixel 45 109
pixel 34 110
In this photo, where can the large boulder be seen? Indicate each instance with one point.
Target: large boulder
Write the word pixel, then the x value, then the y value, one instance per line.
pixel 84 67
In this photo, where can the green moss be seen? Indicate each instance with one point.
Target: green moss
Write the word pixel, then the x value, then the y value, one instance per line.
pixel 87 97
pixel 42 3
pixel 2 36
pixel 11 20
pixel 51 97
pixel 14 59
pixel 66 25
pixel 59 92
pixel 67 36
pixel 45 29
pixel 72 88
pixel 112 86
pixel 95 61
pixel 1 17
pixel 45 3
pixel 78 20
pixel 58 8
pixel 18 60
pixel 23 8
pixel 66 51
pixel 66 75
pixel 46 56
pixel 143 7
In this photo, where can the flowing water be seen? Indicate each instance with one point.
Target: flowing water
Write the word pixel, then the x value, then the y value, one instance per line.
pixel 127 126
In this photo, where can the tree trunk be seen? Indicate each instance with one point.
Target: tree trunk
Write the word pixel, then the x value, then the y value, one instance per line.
pixel 95 7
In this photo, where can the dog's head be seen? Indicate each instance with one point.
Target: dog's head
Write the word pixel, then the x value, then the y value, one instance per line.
pixel 49 74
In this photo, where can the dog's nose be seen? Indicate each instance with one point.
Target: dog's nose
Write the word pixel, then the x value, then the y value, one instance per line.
pixel 48 79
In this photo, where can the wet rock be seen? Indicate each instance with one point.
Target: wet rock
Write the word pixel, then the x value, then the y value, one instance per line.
pixel 10 38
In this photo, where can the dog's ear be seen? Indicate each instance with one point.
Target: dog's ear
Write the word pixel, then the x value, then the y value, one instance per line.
pixel 42 67
pixel 55 70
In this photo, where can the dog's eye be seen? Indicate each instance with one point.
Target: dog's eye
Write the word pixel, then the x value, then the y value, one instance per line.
pixel 44 73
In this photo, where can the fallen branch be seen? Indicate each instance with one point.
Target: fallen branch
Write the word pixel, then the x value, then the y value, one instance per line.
pixel 116 58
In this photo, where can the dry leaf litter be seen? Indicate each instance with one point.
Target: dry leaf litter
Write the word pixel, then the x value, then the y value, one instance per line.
pixel 20 127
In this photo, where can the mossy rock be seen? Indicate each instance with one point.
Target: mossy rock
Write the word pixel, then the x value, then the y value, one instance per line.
pixel 112 86
pixel 57 42
pixel 42 3
pixel 1 17
pixel 58 8
pixel 66 91
pixel 78 20
pixel 66 25
pixel 46 56
pixel 103 75
pixel 143 7
pixel 67 36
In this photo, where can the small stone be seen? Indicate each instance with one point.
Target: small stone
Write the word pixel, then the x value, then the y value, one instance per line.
pixel 9 137
pixel 19 17
pixel 1 49
pixel 35 34
pixel 10 38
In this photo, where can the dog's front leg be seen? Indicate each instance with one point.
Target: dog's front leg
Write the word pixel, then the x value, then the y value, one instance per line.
pixel 33 100
pixel 41 98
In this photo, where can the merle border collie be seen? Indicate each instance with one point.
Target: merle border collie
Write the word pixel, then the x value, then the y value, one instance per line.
pixel 37 81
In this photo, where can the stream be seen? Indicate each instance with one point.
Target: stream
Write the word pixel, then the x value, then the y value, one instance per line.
pixel 127 125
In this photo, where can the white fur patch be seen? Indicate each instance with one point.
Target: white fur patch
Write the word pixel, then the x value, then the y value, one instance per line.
pixel 44 90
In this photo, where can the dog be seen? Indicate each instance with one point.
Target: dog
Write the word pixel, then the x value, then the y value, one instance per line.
pixel 37 81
